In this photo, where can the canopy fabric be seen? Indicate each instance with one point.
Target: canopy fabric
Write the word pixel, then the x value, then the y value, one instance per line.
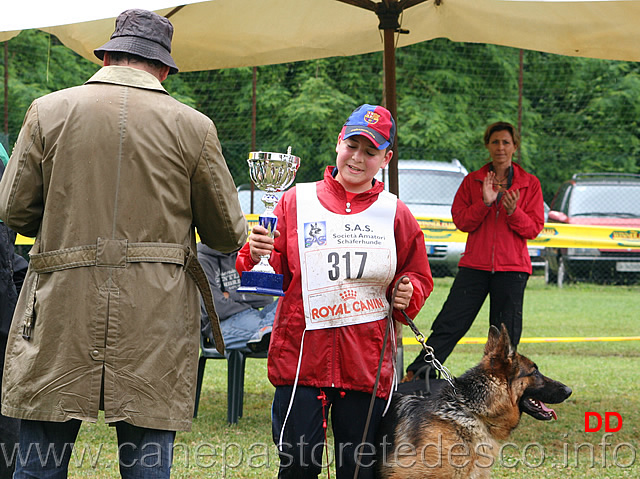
pixel 227 33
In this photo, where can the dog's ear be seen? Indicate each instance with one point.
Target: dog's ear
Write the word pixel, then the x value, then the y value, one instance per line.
pixel 492 341
pixel 510 350
pixel 499 344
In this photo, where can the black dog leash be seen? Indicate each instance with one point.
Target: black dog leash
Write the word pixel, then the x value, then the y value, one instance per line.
pixel 429 357
pixel 375 385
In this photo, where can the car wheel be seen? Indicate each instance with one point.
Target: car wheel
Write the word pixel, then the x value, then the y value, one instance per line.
pixel 549 276
pixel 562 272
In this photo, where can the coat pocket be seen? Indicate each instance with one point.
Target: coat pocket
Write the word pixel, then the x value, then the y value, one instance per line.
pixel 29 317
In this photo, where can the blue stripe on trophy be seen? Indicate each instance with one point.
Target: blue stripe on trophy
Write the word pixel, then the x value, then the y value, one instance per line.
pixel 268 222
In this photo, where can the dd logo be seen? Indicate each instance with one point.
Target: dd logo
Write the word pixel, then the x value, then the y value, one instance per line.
pixel 607 422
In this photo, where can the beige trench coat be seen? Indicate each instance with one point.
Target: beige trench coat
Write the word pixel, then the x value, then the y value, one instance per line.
pixel 111 177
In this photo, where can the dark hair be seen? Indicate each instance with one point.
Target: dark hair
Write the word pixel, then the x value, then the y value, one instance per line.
pixel 502 126
pixel 118 58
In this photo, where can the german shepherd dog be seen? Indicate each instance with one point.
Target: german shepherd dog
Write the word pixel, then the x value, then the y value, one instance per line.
pixel 454 434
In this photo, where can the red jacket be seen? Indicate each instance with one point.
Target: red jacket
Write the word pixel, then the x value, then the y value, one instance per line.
pixel 497 241
pixel 346 357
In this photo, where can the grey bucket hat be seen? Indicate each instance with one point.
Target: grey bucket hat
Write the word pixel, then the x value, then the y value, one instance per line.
pixel 142 33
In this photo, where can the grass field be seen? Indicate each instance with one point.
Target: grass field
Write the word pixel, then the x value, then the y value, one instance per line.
pixel 603 375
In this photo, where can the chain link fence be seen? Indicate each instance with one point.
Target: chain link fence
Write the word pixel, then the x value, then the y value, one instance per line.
pixel 576 116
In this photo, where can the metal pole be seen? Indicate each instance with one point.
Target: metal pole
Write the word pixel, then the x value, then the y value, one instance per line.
pixel 520 90
pixel 6 90
pixel 391 100
pixel 254 116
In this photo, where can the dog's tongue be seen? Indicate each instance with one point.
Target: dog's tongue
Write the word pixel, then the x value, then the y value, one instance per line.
pixel 549 410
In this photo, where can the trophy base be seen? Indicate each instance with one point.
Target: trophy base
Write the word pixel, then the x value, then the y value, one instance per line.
pixel 258 282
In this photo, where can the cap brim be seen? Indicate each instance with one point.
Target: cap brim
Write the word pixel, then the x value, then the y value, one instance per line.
pixel 376 138
pixel 138 46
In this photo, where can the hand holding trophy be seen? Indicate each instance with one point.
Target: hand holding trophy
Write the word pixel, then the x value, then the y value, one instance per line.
pixel 271 172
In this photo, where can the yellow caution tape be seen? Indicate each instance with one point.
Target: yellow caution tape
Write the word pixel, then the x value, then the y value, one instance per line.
pixel 555 235
pixel 23 240
pixel 411 341
pixel 560 235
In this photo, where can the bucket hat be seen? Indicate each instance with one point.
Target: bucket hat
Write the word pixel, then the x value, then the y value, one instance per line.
pixel 143 33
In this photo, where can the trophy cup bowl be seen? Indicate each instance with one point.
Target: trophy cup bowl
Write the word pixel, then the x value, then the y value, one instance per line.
pixel 272 173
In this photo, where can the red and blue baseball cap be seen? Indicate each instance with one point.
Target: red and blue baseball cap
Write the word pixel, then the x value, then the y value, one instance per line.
pixel 373 121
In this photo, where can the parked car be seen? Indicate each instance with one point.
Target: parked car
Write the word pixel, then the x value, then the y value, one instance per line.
pixel 244 196
pixel 605 199
pixel 537 252
pixel 428 187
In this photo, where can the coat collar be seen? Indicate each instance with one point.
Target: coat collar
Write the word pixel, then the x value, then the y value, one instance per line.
pixel 519 175
pixel 127 76
pixel 330 178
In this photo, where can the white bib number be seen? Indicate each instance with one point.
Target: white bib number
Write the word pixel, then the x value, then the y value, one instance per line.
pixel 347 261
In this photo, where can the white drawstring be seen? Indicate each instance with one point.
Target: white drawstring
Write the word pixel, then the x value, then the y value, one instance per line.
pixel 394 380
pixel 293 392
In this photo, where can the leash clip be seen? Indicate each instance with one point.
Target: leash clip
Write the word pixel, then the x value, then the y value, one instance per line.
pixel 429 357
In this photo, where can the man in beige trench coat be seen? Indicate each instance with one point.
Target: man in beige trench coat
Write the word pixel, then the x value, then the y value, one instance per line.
pixel 111 178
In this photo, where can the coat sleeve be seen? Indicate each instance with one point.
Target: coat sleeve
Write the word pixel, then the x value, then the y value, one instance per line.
pixel 412 261
pixel 468 210
pixel 216 210
pixel 528 218
pixel 21 188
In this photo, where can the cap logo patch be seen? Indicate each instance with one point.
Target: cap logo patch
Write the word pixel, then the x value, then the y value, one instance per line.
pixel 371 117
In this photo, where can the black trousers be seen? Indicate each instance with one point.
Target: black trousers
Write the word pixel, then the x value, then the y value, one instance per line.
pixel 301 456
pixel 467 295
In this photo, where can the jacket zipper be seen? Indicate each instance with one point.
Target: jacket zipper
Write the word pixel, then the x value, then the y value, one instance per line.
pixel 334 359
pixel 493 245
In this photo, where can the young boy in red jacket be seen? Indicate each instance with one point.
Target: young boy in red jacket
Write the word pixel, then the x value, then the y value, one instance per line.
pixel 341 243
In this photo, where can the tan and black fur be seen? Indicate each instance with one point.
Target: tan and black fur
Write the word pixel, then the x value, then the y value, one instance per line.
pixel 455 433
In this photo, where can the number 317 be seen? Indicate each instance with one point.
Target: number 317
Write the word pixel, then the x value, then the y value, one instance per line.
pixel 346 264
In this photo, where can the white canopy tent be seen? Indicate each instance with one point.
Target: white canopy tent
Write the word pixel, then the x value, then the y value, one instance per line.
pixel 232 33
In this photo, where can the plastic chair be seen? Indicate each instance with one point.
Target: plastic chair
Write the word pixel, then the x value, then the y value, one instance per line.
pixel 235 376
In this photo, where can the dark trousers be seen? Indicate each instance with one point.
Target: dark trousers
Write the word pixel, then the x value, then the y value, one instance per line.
pixel 9 426
pixel 468 292
pixel 301 456
pixel 46 449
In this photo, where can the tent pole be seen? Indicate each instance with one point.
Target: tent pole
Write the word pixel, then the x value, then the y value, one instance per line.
pixel 6 92
pixel 254 116
pixel 520 93
pixel 391 101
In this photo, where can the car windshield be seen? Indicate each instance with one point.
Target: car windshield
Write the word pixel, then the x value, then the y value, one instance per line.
pixel 428 187
pixel 620 200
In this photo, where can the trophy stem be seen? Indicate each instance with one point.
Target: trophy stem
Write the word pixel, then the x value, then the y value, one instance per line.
pixel 269 221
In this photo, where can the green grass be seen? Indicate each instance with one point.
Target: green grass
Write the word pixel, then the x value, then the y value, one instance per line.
pixel 603 375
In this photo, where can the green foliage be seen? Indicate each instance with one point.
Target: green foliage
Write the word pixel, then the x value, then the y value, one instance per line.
pixel 578 114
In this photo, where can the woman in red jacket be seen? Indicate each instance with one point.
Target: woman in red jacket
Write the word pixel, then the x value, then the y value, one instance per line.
pixel 500 206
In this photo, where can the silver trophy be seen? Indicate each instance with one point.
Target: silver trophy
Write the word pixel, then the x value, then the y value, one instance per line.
pixel 272 173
